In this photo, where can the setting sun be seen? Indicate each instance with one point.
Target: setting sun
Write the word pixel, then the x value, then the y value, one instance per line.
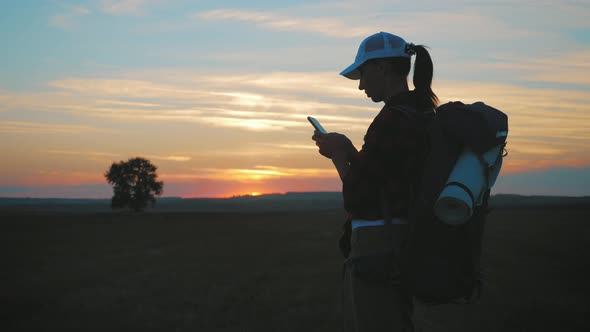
pixel 254 193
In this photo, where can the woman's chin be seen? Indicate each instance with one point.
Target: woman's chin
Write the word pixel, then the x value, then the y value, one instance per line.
pixel 375 99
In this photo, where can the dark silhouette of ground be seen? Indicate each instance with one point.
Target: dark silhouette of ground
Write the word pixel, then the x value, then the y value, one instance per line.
pixel 264 271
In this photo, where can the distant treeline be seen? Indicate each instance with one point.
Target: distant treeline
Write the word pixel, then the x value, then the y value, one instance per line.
pixel 271 202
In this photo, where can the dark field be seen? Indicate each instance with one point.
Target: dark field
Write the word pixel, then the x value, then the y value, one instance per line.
pixel 273 271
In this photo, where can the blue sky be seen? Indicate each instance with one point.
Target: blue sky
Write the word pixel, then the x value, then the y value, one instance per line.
pixel 216 92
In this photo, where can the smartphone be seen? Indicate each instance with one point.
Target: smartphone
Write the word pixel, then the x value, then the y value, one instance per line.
pixel 316 124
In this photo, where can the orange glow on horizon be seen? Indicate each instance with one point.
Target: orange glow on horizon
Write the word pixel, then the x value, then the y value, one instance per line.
pixel 242 193
pixel 224 189
pixel 515 166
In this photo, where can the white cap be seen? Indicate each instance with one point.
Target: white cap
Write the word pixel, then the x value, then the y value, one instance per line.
pixel 379 45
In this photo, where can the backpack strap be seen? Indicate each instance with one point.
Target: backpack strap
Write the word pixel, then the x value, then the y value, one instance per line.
pixel 392 237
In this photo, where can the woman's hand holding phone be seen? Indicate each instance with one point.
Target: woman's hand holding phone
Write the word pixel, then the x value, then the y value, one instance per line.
pixel 316 124
pixel 330 144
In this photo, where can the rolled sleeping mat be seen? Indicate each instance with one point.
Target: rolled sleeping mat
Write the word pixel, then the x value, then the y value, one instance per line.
pixel 465 186
pixel 454 205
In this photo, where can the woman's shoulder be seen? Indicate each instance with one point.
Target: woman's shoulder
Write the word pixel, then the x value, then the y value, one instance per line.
pixel 405 111
pixel 405 105
pixel 400 115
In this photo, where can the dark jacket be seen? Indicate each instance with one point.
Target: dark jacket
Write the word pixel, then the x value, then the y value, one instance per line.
pixel 393 148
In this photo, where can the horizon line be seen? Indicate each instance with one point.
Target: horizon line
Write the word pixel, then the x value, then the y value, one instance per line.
pixel 253 196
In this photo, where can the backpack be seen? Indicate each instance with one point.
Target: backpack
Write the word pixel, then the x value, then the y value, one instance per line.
pixel 440 261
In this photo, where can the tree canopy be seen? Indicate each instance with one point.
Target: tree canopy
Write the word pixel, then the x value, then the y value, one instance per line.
pixel 134 183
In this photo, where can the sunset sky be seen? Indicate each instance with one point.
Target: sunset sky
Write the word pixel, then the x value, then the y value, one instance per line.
pixel 216 93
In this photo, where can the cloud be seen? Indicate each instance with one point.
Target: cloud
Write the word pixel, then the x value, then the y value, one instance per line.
pixel 569 68
pixel 171 158
pixel 35 128
pixel 126 87
pixel 350 21
pixel 73 160
pixel 91 154
pixel 250 175
pixel 464 29
pixel 123 7
pixel 69 19
pixel 54 176
pixel 291 146
pixel 329 26
pixel 82 153
pixel 548 127
pixel 326 84
pixel 575 14
pixel 210 102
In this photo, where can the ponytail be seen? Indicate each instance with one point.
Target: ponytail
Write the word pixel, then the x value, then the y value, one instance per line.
pixel 423 69
pixel 423 77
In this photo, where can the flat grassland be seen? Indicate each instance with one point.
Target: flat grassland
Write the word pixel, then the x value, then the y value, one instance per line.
pixel 267 271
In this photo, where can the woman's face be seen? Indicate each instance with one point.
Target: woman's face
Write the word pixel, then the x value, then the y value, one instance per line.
pixel 372 80
pixel 380 80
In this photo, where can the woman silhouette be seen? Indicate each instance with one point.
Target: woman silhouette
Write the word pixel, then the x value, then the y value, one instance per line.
pixel 377 180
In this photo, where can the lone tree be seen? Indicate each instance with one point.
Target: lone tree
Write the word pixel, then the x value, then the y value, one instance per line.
pixel 134 183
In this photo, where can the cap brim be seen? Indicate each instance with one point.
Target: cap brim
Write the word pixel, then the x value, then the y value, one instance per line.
pixel 352 72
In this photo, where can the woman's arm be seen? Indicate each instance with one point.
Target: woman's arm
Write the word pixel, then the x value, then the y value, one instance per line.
pixel 336 147
pixel 340 161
